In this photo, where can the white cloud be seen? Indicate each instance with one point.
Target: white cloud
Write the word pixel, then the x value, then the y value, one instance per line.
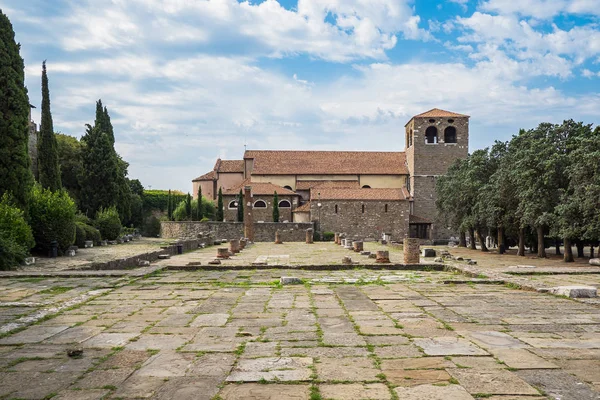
pixel 542 9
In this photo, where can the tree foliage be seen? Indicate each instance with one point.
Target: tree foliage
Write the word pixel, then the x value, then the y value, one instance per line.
pixel 15 174
pixel 16 238
pixel 52 218
pixel 48 160
pixel 69 151
pixel 220 211
pixel 275 207
pixel 240 207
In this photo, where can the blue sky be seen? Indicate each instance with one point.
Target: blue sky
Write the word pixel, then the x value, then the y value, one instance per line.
pixel 187 81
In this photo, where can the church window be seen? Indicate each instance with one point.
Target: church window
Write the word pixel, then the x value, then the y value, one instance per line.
pixel 336 209
pixel 288 187
pixel 233 205
pixel 260 204
pixel 450 135
pixel 363 208
pixel 450 121
pixel 366 187
pixel 285 204
pixel 431 121
pixel 431 135
pixel 386 208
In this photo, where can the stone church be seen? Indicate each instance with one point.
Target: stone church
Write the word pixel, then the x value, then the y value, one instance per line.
pixel 362 193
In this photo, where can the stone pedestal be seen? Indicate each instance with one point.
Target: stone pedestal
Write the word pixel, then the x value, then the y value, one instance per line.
pixel 278 238
pixel 234 246
pixel 336 238
pixel 341 240
pixel 243 243
pixel 412 250
pixel 347 260
pixel 309 235
pixel 383 257
pixel 223 252
pixel 358 246
pixel 348 244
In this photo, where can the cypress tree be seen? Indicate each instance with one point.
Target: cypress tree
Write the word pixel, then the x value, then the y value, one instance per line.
pixel 188 207
pixel 240 209
pixel 220 215
pixel 200 207
pixel 108 126
pixel 48 165
pixel 170 207
pixel 275 207
pixel 15 172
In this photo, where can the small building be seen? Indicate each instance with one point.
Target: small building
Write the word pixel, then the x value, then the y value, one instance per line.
pixel 262 201
pixel 225 175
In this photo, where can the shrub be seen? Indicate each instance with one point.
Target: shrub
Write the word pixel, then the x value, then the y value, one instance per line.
pixel 158 199
pixel 79 235
pixel 328 236
pixel 152 227
pixel 108 223
pixel 16 238
pixel 208 208
pixel 52 217
pixel 86 232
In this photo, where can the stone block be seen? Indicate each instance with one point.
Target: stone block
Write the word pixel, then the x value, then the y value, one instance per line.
pixel 89 244
pixel 29 261
pixel 429 253
pixel 411 251
pixel 575 292
pixel 71 253
pixel 347 260
pixel 234 246
pixel 163 256
pixel 382 257
pixel 595 261
pixel 143 263
pixel 472 262
pixel 223 252
pixel 372 255
pixel 438 259
pixel 214 262
pixel 358 246
pixel 365 253
pixel 290 280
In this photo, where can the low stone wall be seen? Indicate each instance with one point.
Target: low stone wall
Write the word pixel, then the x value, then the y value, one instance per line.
pixel 210 231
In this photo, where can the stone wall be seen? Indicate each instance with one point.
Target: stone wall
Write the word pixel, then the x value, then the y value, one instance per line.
pixel 370 224
pixel 263 232
pixel 259 214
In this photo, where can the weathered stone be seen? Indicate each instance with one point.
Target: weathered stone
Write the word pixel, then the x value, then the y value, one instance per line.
pixel 223 252
pixel 29 261
pixel 216 261
pixel 496 381
pixel 448 346
pixel 353 391
pixel 358 246
pixel 522 359
pixel 255 391
pixel 382 257
pixel 373 255
pixel 575 292
pixel 309 236
pixel 89 244
pixel 411 251
pixel 438 260
pixel 164 256
pixel 75 352
pixel 366 253
pixel 234 246
pixel 595 261
pixel 336 238
pixel 472 262
pixel 71 253
pixel 243 243
pixel 429 253
pixel 278 237
pixel 433 392
pixel 271 369
pixel 143 263
pixel 493 340
pixel 347 260
pixel 290 280
pixel 348 244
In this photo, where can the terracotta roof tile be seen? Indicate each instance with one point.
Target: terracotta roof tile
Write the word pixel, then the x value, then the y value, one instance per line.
pixel 259 189
pixel 358 194
pixel 303 208
pixel 231 166
pixel 437 113
pixel 209 176
pixel 327 162
pixel 306 185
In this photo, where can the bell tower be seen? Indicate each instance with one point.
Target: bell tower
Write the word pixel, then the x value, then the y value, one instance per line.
pixel 434 140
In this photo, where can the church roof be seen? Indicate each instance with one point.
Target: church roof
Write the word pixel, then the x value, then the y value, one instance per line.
pixel 281 162
pixel 303 208
pixel 307 185
pixel 437 113
pixel 259 189
pixel 358 194
pixel 222 166
pixel 209 176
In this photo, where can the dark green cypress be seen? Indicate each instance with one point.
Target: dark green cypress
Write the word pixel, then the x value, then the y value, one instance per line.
pixel 220 215
pixel 48 165
pixel 108 126
pixel 169 207
pixel 188 207
pixel 240 209
pixel 15 172
pixel 275 207
pixel 200 206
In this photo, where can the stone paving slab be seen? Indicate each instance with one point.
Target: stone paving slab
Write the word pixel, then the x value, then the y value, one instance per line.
pixel 272 368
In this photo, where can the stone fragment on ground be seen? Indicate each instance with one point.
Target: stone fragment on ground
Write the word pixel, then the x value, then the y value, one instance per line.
pixel 575 292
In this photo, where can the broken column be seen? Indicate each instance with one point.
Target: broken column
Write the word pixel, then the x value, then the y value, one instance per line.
pixel 243 243
pixel 336 238
pixel 309 235
pixel 341 239
pixel 348 244
pixel 234 246
pixel 223 252
pixel 248 218
pixel 278 237
pixel 383 257
pixel 358 246
pixel 412 251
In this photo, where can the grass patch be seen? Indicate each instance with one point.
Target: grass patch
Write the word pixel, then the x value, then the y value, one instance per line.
pixel 56 290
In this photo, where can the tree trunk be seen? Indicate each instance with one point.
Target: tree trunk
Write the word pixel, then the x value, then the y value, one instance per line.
pixel 521 251
pixel 501 246
pixel 473 245
pixel 580 246
pixel 568 251
pixel 557 244
pixel 482 241
pixel 462 239
pixel 541 250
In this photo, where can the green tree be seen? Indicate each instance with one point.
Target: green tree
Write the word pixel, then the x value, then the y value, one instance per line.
pixel 136 187
pixel 188 207
pixel 240 207
pixel 451 203
pixel 170 207
pixel 220 213
pixel 16 238
pixel 48 161
pixel 52 218
pixel 200 211
pixel 15 173
pixel 71 165
pixel 275 207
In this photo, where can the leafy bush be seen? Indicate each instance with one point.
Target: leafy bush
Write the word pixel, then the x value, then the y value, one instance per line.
pixel 84 232
pixel 328 236
pixel 79 235
pixel 16 238
pixel 152 227
pixel 158 199
pixel 179 214
pixel 108 223
pixel 92 234
pixel 52 217
pixel 204 219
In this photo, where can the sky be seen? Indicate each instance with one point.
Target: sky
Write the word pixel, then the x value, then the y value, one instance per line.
pixel 187 81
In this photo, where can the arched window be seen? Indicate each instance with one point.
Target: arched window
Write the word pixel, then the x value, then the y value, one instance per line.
pixel 431 135
pixel 336 209
pixel 410 138
pixel 260 204
pixel 450 135
pixel 432 121
pixel 233 205
pixel 285 204
pixel 366 187
pixel 386 208
pixel 363 208
pixel 288 187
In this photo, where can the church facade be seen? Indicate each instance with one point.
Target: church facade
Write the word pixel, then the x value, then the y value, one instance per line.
pixel 360 193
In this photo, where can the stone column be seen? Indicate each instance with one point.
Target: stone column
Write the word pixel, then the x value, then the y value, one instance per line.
pixel 383 257
pixel 412 251
pixel 341 239
pixel 336 238
pixel 242 244
pixel 248 218
pixel 278 238
pixel 222 252
pixel 348 244
pixel 234 246
pixel 309 235
pixel 358 246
